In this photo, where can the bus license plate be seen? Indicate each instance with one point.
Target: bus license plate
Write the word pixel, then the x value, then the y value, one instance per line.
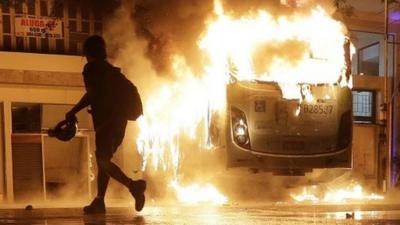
pixel 321 109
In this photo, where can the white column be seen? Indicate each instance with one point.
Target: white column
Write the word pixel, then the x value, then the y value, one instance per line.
pixel 8 151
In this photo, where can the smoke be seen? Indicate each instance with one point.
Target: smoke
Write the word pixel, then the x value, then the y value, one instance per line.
pixel 174 27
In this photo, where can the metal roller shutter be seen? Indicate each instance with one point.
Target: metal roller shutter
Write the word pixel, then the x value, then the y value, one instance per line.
pixel 27 171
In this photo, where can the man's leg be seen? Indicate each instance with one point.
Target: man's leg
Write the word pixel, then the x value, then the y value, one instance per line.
pixel 136 188
pixel 97 205
pixel 110 169
pixel 108 140
pixel 108 143
pixel 105 168
pixel 103 144
pixel 102 182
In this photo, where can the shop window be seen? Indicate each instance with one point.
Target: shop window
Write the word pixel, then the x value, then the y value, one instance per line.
pixel 6 24
pixel 5 7
pixel 44 45
pixel 20 44
pixel 26 118
pixel 60 49
pixel 71 10
pixel 364 106
pixel 7 42
pixel 369 57
pixel 72 26
pixel 97 14
pixel 18 7
pixel 43 8
pixel 80 47
pixel 73 47
pixel 32 44
pixel 58 8
pixel 85 10
pixel 85 27
pixel 98 27
pixel 31 7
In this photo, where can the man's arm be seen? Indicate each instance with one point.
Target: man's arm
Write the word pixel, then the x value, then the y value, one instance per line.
pixel 84 102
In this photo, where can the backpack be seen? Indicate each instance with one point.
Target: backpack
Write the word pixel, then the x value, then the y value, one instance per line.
pixel 127 97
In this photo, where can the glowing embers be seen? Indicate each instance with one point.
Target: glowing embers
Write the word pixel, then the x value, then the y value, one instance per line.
pixel 352 193
pixel 196 193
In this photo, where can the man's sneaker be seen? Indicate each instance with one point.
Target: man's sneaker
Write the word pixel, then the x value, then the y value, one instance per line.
pixel 96 207
pixel 137 188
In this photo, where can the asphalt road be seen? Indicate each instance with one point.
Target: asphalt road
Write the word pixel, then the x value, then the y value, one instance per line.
pixel 275 214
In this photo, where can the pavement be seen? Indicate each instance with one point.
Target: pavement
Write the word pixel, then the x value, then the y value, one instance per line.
pixel 274 214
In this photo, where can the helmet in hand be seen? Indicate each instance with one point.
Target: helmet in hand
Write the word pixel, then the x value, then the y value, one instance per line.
pixel 65 130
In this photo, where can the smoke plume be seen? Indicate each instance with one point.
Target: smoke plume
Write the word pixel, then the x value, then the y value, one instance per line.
pixel 174 27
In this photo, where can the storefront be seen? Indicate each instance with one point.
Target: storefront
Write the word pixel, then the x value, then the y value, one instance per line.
pixel 35 94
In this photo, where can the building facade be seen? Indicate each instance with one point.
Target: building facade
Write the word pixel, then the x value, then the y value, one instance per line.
pixel 40 80
pixel 40 72
pixel 40 26
pixel 375 98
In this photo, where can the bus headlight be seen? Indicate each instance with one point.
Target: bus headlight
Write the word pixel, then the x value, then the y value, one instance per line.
pixel 240 131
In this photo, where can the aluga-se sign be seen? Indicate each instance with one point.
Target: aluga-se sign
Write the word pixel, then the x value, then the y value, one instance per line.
pixel 44 27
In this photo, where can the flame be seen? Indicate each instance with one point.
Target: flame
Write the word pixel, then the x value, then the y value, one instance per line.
pixel 306 196
pixel 321 58
pixel 352 193
pixel 182 107
pixel 196 193
pixel 178 110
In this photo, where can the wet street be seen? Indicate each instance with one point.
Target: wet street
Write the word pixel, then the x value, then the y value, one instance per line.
pixel 168 214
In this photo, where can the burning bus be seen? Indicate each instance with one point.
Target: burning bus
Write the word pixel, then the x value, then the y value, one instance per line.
pixel 287 136
pixel 273 91
pixel 269 132
pixel 288 101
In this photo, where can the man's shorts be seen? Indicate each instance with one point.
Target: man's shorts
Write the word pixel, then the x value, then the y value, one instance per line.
pixel 109 138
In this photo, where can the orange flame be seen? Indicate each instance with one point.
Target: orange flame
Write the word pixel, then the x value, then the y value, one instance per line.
pixel 178 108
pixel 336 195
pixel 196 193
pixel 318 37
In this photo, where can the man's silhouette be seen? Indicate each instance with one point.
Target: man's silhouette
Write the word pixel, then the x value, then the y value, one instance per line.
pixel 109 123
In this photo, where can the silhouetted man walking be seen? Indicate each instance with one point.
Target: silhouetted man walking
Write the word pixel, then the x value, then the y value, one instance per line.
pixel 109 123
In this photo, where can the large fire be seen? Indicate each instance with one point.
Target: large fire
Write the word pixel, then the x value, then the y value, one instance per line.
pixel 288 50
pixel 352 193
pixel 300 48
pixel 196 193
